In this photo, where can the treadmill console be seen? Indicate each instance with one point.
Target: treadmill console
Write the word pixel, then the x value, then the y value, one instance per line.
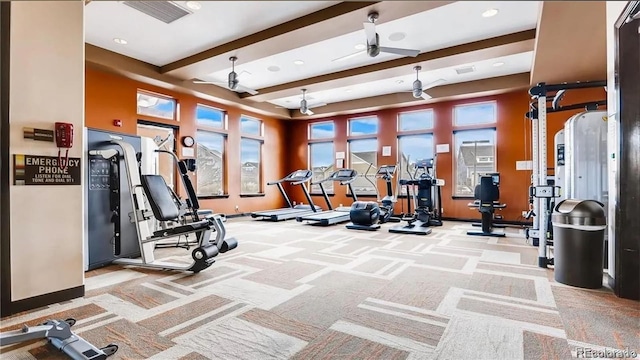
pixel 386 169
pixel 300 175
pixel 345 174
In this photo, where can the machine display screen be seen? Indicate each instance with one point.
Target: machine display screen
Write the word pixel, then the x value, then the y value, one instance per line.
pixel 300 174
pixel 345 173
pixel 495 178
pixel 387 169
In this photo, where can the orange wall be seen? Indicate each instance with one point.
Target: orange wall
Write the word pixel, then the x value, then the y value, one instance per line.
pixel 110 96
pixel 513 130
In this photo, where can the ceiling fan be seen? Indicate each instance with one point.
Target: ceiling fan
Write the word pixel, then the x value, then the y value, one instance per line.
pixel 418 90
pixel 306 108
pixel 373 42
pixel 233 82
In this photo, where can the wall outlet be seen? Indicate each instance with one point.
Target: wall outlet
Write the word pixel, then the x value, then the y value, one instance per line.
pixel 237 207
pixel 442 211
pixel 524 213
pixel 294 203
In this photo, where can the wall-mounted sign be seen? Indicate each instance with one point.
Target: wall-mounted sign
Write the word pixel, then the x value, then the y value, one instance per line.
pixel 45 170
pixel 38 134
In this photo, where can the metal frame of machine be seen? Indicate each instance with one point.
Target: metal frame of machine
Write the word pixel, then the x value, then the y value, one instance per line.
pixel 337 215
pixel 540 192
pixel 298 177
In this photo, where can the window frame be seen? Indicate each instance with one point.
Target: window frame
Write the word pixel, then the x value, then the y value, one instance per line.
pixel 416 131
pixel 363 136
pixel 400 170
pixel 260 191
pixel 310 167
pixel 493 123
pixel 454 174
pixel 309 130
pixel 225 168
pixel 224 131
pixel 225 119
pixel 260 134
pixel 176 103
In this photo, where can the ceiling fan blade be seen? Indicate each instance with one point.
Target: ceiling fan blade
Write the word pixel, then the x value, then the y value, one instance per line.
pixel 370 31
pixel 405 52
pixel 425 96
pixel 312 106
pixel 209 82
pixel 434 84
pixel 350 55
pixel 309 112
pixel 241 88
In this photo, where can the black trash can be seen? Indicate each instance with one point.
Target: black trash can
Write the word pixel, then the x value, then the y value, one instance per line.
pixel 578 242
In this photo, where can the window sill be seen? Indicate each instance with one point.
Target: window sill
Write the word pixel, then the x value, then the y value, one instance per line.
pixel 320 194
pixel 252 195
pixel 462 197
pixel 207 197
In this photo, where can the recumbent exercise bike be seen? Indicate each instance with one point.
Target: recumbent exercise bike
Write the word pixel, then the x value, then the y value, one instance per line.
pixel 368 215
pixel 487 196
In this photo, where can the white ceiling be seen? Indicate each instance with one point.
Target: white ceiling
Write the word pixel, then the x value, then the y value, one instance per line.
pixel 446 26
pixel 216 23
pixel 219 22
pixel 513 64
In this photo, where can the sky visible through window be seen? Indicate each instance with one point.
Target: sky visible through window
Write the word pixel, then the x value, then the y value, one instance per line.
pixel 322 130
pixel 416 120
pixel 363 145
pixel 416 147
pixel 210 140
pixel 249 150
pixel 209 116
pixel 250 126
pixel 474 114
pixel 475 135
pixel 363 126
pixel 321 154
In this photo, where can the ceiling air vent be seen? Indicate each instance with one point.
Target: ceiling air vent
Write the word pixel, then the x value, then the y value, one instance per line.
pixel 465 70
pixel 165 11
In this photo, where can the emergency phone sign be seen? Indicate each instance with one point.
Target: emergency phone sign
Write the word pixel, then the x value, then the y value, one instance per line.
pixel 46 170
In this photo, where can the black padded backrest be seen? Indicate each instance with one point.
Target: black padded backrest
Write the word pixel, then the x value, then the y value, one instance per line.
pixel 487 191
pixel 159 197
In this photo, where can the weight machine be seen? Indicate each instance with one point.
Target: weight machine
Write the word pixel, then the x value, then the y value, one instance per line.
pixel 541 192
pixel 59 334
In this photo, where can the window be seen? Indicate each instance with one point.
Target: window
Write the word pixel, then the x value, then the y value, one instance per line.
pixel 363 126
pixel 415 120
pixel 363 157
pixel 250 174
pixel 210 117
pixel 323 130
pixel 165 164
pixel 156 106
pixel 250 126
pixel 475 114
pixel 475 154
pixel 321 163
pixel 412 148
pixel 210 163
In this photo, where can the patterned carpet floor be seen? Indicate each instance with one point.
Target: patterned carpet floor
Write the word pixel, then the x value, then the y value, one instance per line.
pixel 294 291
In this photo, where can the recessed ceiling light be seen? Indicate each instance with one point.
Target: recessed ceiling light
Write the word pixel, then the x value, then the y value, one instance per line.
pixel 499 63
pixel 120 41
pixel 490 13
pixel 273 68
pixel 193 5
pixel 399 81
pixel 298 62
pixel 360 46
pixel 397 36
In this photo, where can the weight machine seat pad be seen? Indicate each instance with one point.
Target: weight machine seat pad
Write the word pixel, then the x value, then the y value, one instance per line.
pixel 159 197
pixel 182 229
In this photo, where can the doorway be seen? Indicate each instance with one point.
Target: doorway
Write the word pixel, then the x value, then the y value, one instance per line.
pixel 166 164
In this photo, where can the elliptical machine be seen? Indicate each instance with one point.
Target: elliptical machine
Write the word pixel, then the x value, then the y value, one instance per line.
pixel 427 211
pixel 368 215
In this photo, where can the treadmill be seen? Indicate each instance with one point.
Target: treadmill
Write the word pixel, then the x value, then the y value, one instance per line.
pixel 298 177
pixel 339 214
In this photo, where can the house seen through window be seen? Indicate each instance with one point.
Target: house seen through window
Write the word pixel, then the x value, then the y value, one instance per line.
pixel 474 156
pixel 322 164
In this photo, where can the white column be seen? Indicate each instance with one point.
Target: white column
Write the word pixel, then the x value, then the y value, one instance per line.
pixel 47 86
